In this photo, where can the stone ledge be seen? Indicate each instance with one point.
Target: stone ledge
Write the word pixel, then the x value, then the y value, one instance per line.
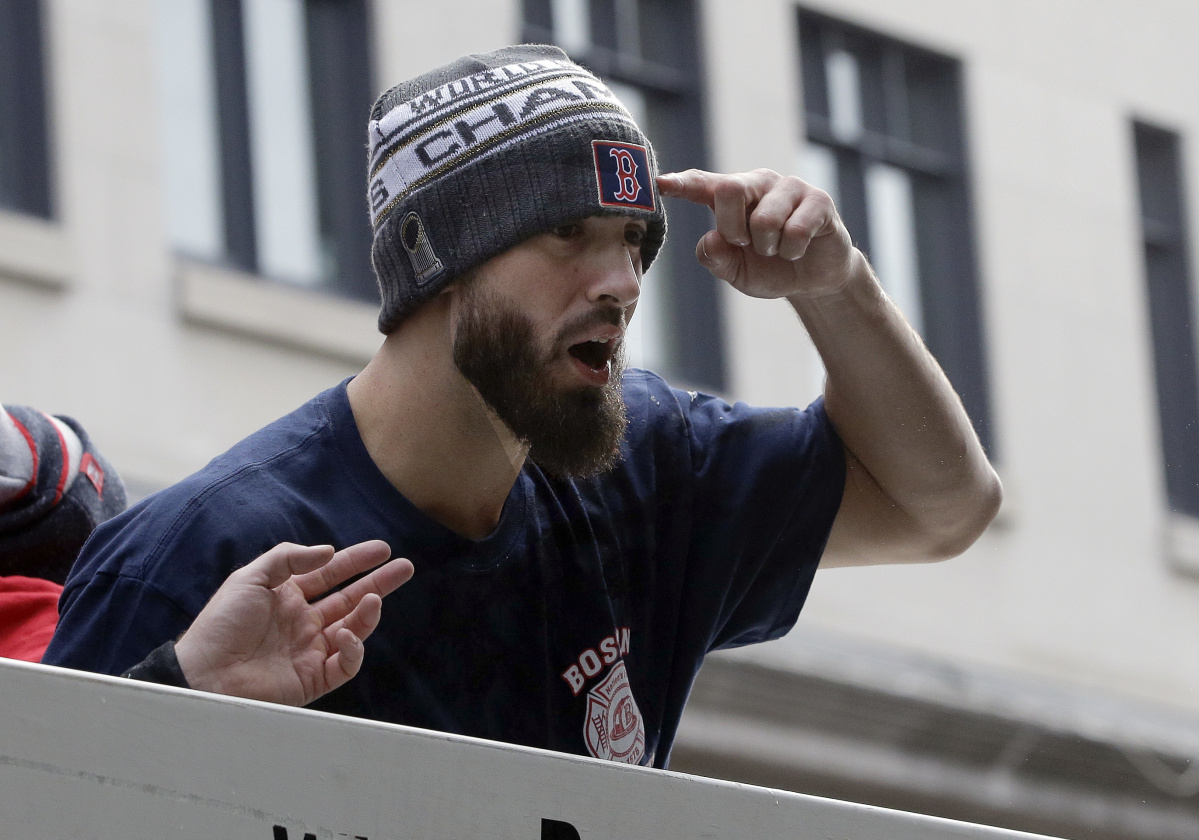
pixel 842 739
pixel 221 297
pixel 35 250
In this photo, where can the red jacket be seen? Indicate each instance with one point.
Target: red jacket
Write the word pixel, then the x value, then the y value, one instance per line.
pixel 28 615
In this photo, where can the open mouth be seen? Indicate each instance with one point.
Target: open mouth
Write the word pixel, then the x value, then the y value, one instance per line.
pixel 596 354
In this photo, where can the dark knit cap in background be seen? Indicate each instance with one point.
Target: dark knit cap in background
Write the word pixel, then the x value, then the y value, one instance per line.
pixel 55 488
pixel 476 156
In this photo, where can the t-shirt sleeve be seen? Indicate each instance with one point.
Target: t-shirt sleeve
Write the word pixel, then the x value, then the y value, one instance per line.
pixel 111 623
pixel 139 581
pixel 767 487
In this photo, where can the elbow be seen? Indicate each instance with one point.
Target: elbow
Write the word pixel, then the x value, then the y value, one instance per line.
pixel 970 512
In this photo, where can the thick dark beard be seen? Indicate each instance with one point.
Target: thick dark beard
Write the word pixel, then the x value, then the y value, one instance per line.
pixel 570 434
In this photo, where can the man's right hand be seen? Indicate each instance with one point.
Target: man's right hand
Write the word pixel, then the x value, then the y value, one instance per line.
pixel 264 635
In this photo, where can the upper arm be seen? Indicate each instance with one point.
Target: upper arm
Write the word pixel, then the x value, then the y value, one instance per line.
pixel 871 529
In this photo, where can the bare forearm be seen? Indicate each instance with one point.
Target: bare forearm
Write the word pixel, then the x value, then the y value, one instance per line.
pixel 918 486
pixel 898 415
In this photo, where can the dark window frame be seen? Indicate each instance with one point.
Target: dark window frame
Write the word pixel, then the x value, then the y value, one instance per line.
pixel 673 86
pixel 341 81
pixel 913 119
pixel 1165 246
pixel 341 89
pixel 25 176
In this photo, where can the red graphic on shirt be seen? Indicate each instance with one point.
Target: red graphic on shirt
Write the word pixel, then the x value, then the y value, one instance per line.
pixel 593 660
pixel 625 719
pixel 614 729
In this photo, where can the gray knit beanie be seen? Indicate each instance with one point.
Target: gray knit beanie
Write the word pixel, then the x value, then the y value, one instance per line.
pixel 476 156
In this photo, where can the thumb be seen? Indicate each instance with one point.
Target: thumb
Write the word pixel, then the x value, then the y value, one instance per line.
pixel 716 254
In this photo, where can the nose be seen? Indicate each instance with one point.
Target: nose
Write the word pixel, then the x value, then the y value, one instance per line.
pixel 617 277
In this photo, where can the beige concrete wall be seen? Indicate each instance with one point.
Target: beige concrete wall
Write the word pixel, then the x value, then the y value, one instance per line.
pixel 751 99
pixel 412 37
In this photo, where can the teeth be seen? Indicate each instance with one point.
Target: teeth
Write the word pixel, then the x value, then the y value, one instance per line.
pixel 600 340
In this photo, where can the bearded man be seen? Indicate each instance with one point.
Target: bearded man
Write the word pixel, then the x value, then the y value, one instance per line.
pixel 581 536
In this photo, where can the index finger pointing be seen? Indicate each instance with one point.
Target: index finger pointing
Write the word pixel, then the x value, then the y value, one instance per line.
pixel 693 185
pixel 703 187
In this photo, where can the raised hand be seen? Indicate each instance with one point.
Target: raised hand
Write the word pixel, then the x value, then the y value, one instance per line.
pixel 775 235
pixel 265 636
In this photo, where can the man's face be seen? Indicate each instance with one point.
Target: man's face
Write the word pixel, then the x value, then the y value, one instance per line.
pixel 540 332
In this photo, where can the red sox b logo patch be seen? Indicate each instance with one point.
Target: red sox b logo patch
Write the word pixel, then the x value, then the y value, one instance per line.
pixel 614 729
pixel 622 174
pixel 626 175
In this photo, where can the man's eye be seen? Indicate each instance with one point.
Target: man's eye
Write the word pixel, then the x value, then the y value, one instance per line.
pixel 568 231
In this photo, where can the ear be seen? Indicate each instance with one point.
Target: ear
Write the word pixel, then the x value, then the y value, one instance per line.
pixel 449 298
pixel 445 307
pixel 454 291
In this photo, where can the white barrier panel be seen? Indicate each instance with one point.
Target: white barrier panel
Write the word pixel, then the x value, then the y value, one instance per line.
pixel 85 756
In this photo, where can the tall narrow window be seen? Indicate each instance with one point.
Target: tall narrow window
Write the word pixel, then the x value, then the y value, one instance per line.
pixel 884 137
pixel 647 52
pixel 266 104
pixel 1171 311
pixel 24 156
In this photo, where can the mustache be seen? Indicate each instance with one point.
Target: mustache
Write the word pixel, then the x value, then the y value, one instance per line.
pixel 601 316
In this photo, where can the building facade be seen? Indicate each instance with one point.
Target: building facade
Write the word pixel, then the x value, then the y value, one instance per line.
pixel 183 239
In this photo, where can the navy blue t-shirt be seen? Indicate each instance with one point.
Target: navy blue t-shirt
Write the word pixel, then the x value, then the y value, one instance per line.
pixel 578 625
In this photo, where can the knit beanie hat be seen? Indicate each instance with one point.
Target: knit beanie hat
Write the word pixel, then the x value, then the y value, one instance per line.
pixel 55 488
pixel 476 156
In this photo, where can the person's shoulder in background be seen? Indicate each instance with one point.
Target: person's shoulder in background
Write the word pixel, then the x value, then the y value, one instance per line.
pixel 28 616
pixel 55 488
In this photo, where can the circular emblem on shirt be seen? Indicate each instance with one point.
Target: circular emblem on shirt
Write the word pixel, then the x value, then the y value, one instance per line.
pixel 614 729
